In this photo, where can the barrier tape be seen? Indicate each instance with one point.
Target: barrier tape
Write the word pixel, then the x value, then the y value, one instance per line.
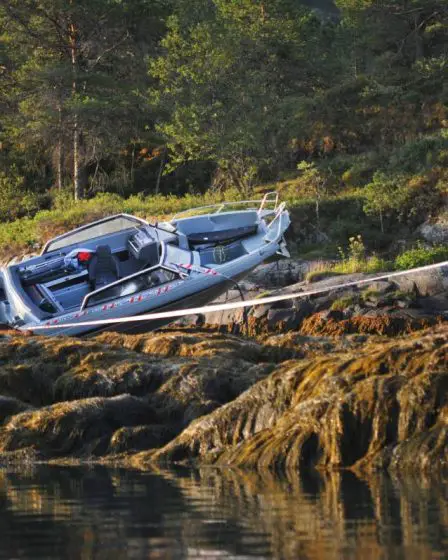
pixel 236 305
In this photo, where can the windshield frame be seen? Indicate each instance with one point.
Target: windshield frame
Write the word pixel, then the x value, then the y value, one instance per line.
pixel 47 247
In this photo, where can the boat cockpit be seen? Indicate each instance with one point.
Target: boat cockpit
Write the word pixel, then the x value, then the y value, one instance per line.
pixel 123 255
pixel 121 252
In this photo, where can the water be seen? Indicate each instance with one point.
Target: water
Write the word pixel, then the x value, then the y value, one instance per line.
pixel 53 512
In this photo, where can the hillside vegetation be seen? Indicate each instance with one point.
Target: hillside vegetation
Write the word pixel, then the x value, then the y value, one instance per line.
pixel 341 106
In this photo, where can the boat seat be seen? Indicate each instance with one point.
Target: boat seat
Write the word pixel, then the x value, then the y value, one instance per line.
pixel 221 235
pixel 103 268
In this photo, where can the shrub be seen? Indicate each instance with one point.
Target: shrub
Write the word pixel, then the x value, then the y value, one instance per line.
pixel 15 200
pixel 421 256
pixel 355 259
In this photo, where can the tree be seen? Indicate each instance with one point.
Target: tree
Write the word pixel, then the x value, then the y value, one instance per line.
pixel 313 184
pixel 384 194
pixel 227 77
pixel 77 70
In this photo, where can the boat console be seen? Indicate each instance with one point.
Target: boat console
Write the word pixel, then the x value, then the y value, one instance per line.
pixel 144 246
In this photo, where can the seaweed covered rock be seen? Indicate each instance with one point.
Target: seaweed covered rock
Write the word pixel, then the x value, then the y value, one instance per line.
pixel 384 406
pixel 82 397
pixel 397 305
pixel 79 428
pixel 390 324
pixel 10 407
pixel 287 401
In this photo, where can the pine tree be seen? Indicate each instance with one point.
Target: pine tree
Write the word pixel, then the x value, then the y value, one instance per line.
pixel 77 69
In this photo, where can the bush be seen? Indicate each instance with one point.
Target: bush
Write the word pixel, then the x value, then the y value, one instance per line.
pixel 353 259
pixel 421 256
pixel 15 200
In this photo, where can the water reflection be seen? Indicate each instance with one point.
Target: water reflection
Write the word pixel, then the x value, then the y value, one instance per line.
pixel 55 512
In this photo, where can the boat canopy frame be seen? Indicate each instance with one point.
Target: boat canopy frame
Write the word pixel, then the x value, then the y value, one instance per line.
pixel 271 197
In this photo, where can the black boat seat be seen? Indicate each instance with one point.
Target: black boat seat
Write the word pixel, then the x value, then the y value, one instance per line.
pixel 222 235
pixel 103 268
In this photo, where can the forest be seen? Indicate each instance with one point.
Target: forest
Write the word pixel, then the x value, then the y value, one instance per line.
pixel 108 104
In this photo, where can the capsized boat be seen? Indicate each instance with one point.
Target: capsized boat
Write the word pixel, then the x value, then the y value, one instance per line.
pixel 123 266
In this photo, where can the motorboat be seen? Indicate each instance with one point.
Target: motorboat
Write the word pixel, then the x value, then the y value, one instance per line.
pixel 123 266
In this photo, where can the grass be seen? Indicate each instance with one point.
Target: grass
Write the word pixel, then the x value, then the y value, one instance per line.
pixel 341 215
pixel 366 265
pixel 28 234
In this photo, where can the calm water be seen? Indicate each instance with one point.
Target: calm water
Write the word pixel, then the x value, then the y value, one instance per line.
pixel 53 512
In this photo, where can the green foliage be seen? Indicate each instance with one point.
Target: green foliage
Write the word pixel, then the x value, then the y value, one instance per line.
pixel 237 93
pixel 383 195
pixel 226 78
pixel 420 154
pixel 367 265
pixel 342 303
pixel 421 256
pixel 355 259
pixel 15 200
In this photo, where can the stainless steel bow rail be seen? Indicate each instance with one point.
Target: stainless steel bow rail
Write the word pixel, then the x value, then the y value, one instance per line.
pixel 240 304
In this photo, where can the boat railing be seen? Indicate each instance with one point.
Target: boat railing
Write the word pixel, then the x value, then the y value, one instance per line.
pixel 268 198
pixel 160 264
pixel 274 228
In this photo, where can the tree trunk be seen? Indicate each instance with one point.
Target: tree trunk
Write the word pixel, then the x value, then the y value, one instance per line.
pixel 78 182
pixel 60 153
pixel 162 165
pixel 418 38
pixel 76 166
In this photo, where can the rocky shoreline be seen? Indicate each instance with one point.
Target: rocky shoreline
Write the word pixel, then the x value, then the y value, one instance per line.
pixel 355 379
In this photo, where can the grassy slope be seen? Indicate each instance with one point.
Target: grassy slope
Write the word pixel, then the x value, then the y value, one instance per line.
pixel 342 216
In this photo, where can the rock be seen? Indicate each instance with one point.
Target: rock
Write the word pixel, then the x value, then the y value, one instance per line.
pixel 285 317
pixel 435 232
pixel 385 405
pixel 380 287
pixel 286 401
pixel 434 304
pixel 281 273
pixel 332 314
pixel 425 283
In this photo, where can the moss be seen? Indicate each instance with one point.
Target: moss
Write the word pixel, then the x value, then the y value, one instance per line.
pixel 342 303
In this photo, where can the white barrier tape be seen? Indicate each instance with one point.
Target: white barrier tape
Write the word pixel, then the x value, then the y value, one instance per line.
pixel 236 305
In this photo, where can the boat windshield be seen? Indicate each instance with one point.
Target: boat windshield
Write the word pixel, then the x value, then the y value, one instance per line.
pixel 107 226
